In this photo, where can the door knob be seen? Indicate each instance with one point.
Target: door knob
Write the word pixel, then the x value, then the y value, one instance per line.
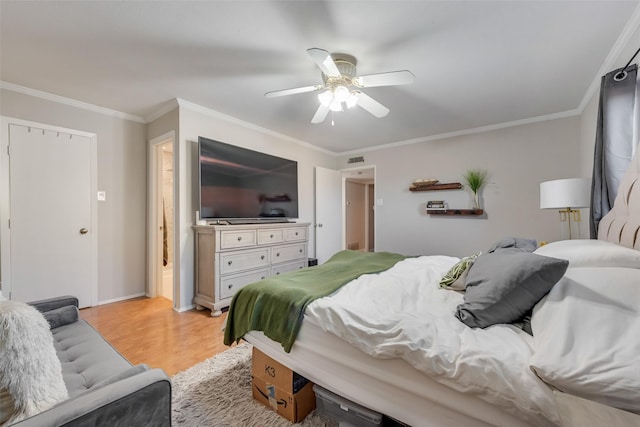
pixel 84 230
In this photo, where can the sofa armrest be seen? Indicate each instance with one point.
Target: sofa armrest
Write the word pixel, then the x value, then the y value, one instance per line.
pixel 52 303
pixel 139 400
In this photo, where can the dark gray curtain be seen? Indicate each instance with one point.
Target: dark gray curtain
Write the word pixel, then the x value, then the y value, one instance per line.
pixel 615 140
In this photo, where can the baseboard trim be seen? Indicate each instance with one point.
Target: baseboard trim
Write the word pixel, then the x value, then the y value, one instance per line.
pixel 109 301
pixel 187 308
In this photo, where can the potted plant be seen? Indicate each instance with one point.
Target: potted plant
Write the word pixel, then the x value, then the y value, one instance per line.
pixel 475 179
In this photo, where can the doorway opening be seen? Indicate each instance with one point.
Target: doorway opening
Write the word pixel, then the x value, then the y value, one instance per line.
pixel 359 209
pixel 162 268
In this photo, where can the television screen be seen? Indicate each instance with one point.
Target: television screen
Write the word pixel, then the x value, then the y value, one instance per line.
pixel 238 183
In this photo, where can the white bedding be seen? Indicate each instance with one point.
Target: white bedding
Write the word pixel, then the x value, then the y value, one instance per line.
pixel 414 320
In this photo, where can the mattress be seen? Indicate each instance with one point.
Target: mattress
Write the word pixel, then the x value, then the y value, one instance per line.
pixel 389 386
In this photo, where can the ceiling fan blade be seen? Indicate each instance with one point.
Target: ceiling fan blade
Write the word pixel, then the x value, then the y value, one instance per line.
pixel 293 91
pixel 392 78
pixel 320 114
pixel 324 61
pixel 371 105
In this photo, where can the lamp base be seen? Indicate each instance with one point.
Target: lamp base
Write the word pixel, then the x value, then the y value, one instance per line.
pixel 570 217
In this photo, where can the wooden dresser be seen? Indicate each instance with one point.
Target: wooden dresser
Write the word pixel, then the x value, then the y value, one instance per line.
pixel 229 257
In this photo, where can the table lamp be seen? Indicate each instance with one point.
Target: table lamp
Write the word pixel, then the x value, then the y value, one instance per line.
pixel 567 195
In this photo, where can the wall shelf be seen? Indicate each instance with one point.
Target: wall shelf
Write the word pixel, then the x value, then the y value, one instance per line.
pixel 436 187
pixel 455 211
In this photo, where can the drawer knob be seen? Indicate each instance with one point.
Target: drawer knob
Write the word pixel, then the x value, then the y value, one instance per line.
pixel 278 273
pixel 263 277
pixel 271 236
pixel 296 233
pixel 262 257
pixel 230 286
pixel 278 254
pixel 300 250
pixel 239 238
pixel 230 262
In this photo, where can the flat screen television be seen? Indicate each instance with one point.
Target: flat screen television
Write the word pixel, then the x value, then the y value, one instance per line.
pixel 241 184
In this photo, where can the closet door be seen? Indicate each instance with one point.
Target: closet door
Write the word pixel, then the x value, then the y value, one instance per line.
pixel 51 239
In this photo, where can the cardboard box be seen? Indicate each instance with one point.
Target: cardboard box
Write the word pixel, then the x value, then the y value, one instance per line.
pixel 281 389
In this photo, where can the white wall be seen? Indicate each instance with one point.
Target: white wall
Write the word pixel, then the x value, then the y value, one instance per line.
pixel 121 174
pixel 199 122
pixel 518 159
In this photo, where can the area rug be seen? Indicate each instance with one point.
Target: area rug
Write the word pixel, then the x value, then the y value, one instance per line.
pixel 217 393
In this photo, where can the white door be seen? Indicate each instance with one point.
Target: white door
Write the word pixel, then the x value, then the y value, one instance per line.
pixel 328 223
pixel 50 215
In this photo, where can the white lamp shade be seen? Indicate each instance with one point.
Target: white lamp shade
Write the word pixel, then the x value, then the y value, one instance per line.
pixel 565 193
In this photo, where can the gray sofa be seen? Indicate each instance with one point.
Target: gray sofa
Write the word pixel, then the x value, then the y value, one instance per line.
pixel 104 388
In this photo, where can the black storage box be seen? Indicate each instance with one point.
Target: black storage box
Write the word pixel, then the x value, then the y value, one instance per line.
pixel 346 412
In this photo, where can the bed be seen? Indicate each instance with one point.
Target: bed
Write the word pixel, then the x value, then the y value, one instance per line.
pixel 399 342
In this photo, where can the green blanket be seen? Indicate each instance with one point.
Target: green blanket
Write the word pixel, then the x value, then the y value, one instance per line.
pixel 276 305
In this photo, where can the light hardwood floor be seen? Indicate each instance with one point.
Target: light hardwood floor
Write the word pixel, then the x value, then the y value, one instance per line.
pixel 148 330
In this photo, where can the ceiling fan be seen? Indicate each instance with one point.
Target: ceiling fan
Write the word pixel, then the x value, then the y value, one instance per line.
pixel 342 85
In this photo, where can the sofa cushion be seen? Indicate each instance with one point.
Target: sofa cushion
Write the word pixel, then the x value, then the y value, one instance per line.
pixel 134 370
pixel 86 357
pixel 29 369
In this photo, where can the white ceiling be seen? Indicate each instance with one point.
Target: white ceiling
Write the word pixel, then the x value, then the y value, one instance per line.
pixel 477 63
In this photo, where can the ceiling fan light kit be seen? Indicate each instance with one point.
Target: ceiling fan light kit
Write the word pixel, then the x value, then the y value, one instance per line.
pixel 341 85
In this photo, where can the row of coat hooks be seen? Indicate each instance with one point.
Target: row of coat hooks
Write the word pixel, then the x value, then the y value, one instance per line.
pixel 43 131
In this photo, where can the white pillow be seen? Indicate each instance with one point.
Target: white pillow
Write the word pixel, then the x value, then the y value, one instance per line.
pixel 30 370
pixel 586 336
pixel 591 253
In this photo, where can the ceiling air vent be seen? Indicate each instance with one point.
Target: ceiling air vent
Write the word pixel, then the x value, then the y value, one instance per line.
pixel 356 160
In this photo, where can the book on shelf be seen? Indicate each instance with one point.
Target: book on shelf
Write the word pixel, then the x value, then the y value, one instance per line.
pixel 436 204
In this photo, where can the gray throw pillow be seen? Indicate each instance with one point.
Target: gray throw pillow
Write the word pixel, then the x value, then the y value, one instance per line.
pixel 61 316
pixel 520 243
pixel 503 286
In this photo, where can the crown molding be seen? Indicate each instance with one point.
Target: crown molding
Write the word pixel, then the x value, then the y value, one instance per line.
pixel 164 109
pixel 464 132
pixel 230 119
pixel 68 101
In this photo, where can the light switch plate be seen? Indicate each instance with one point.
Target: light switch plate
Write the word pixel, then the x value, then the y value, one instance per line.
pixel 102 196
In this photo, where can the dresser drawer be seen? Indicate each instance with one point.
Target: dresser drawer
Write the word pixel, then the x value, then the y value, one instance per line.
pixel 291 266
pixel 266 237
pixel 297 233
pixel 231 262
pixel 229 285
pixel 288 253
pixel 237 239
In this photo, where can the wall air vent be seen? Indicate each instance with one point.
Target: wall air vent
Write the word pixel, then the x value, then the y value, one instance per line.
pixel 356 160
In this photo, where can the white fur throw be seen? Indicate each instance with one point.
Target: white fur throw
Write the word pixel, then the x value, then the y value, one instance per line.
pixel 30 371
